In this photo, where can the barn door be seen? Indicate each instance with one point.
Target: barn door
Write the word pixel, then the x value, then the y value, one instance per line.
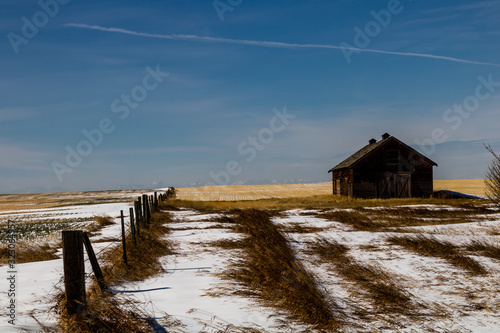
pixel 386 186
pixel 402 184
pixel 391 185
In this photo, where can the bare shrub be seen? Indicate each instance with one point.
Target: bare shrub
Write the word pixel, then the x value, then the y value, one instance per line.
pixel 492 178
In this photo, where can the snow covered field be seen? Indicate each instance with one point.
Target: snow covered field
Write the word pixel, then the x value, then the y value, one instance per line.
pixel 37 283
pixel 191 291
pixel 190 295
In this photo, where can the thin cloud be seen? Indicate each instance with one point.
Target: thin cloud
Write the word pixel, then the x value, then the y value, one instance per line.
pixel 273 44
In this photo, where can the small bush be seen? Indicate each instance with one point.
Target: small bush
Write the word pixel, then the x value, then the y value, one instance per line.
pixel 104 220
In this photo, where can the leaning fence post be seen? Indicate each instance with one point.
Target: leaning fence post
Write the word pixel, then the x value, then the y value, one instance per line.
pixel 132 225
pixel 123 239
pixel 93 261
pixel 74 272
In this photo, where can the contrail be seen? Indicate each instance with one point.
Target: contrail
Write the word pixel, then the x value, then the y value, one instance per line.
pixel 273 44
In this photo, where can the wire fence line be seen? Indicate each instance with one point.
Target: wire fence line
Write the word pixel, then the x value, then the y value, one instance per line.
pixel 76 269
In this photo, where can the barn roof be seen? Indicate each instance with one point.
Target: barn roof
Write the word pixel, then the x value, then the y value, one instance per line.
pixel 366 150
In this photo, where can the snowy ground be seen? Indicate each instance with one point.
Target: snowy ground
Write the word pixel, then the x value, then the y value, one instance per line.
pixel 37 283
pixel 190 296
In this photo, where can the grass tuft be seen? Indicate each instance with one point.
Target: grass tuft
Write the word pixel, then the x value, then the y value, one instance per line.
pixel 359 221
pixel 484 249
pixel 432 247
pixel 30 253
pixel 104 220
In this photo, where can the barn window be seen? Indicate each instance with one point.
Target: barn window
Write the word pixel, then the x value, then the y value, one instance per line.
pixel 392 157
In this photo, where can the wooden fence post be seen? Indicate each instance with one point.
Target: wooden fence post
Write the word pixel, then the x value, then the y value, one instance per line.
pixel 93 261
pixel 145 208
pixel 74 272
pixel 123 239
pixel 148 208
pixel 139 210
pixel 132 225
pixel 156 202
pixel 138 217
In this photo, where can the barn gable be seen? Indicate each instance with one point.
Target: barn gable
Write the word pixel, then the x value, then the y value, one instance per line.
pixel 384 169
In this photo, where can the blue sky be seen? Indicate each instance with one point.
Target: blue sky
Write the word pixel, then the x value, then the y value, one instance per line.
pixel 341 72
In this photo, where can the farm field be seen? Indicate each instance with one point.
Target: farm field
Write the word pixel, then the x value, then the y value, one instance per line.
pixel 467 186
pixel 14 202
pixel 381 285
pixel 255 192
pixel 379 279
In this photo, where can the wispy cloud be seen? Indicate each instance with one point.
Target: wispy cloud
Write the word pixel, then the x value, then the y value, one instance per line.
pixel 159 151
pixel 14 157
pixel 272 44
pixel 16 113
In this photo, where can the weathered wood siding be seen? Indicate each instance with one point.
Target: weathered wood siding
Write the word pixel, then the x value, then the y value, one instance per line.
pixel 393 161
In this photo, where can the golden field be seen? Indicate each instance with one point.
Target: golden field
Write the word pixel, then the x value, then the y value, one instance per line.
pixel 467 186
pixel 11 202
pixel 255 192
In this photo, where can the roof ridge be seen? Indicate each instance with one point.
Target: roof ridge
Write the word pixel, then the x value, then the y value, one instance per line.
pixel 366 150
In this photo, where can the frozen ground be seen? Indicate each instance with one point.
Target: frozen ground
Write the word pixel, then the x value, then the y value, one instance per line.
pixel 37 283
pixel 190 296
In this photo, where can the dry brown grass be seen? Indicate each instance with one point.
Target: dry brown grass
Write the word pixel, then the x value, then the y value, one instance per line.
pixel 104 220
pixel 381 286
pixel 432 247
pixel 484 249
pixel 142 258
pixel 271 271
pixel 320 202
pixel 100 222
pixel 299 228
pixel 227 244
pixel 387 218
pixel 357 220
pixel 104 314
pixel 30 253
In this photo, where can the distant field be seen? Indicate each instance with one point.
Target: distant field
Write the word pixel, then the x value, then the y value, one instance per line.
pixel 255 192
pixel 468 186
pixel 252 192
pixel 205 193
pixel 10 202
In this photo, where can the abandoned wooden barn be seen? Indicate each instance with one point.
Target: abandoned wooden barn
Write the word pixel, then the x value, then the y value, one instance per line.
pixel 384 169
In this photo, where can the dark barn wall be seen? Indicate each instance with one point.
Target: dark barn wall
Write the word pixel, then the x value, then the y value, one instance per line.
pixel 365 185
pixel 422 184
